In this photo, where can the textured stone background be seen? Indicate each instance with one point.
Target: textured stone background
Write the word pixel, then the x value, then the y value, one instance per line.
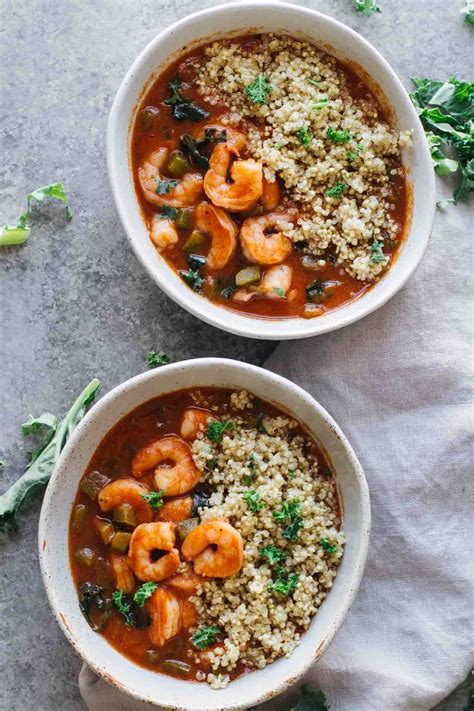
pixel 75 303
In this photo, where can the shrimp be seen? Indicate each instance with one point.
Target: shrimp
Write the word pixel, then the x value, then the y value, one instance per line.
pixel 126 491
pixel 183 193
pixel 271 195
pixel 164 609
pixel 223 230
pixel 262 248
pixel 194 421
pixel 246 175
pixel 150 537
pixel 163 233
pixel 124 578
pixel 176 510
pixel 216 548
pixel 186 582
pixel 173 480
pixel 275 284
pixel 188 615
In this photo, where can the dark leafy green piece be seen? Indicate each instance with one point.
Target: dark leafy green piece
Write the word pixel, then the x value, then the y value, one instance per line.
pixel 196 262
pixel 40 469
pixel 183 108
pixel 215 430
pixel 205 636
pixel 165 186
pixel 155 359
pixel 446 110
pixel 19 233
pixel 327 546
pixel 311 699
pixel 89 595
pixel 260 427
pixel 198 151
pixel 315 291
pixel 192 278
pixel 169 212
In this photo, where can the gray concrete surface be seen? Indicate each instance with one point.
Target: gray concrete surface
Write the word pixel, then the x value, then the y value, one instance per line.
pixel 75 303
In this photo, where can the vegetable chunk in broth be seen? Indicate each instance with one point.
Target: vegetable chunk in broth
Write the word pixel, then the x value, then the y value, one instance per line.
pixel 202 510
pixel 269 177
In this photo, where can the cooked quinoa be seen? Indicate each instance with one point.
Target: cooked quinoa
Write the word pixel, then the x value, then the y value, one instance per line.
pixel 255 471
pixel 335 154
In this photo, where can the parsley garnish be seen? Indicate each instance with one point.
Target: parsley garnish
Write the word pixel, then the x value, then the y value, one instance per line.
pixel 259 90
pixel 124 608
pixel 328 547
pixel 143 593
pixel 304 136
pixel 367 7
pixel 377 255
pixel 320 104
pixel 291 473
pixel 252 499
pixel 193 278
pixel 311 700
pixel 169 212
pixel 290 513
pixel 154 499
pixel 215 430
pixel 273 554
pixel 445 110
pixel 205 636
pixel 155 359
pixel 284 582
pixel 259 424
pixel 337 190
pixel 165 186
pixel 252 465
pixel 183 108
pixel 338 136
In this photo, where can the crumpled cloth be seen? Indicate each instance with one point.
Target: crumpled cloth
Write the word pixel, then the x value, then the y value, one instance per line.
pixel 399 383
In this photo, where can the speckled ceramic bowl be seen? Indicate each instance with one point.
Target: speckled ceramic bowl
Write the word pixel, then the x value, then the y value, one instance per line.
pixel 53 535
pixel 265 16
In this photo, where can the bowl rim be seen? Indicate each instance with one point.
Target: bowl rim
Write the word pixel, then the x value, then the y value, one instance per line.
pixel 99 408
pixel 234 321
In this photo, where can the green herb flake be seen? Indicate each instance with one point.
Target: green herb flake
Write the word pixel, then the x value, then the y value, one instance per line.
pixel 320 104
pixel 377 256
pixel 259 424
pixel 124 608
pixel 252 465
pixel 144 592
pixel 19 233
pixel 193 279
pixel 154 499
pixel 337 190
pixel 338 136
pixel 468 12
pixel 367 7
pixel 215 429
pixel 165 186
pixel 273 554
pixel 205 636
pixel 154 359
pixel 290 513
pixel 291 473
pixel 252 499
pixel 259 90
pixel 311 699
pixel 328 547
pixel 284 582
pixel 304 136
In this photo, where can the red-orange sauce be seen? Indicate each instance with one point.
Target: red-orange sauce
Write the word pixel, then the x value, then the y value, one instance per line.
pixel 158 417
pixel 166 131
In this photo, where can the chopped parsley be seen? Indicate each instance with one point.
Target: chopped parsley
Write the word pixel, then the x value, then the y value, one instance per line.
pixel 311 700
pixel 124 608
pixel 259 90
pixel 193 279
pixel 338 136
pixel 259 424
pixel 328 547
pixel 284 582
pixel 143 593
pixel 155 359
pixel 183 108
pixel 290 513
pixel 291 473
pixel 165 186
pixel 320 104
pixel 216 429
pixel 252 465
pixel 377 256
pixel 367 7
pixel 337 190
pixel 205 636
pixel 154 499
pixel 273 554
pixel 252 499
pixel 304 136
pixel 169 212
pixel 315 291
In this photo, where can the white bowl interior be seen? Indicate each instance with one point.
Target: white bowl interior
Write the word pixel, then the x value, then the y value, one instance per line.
pixel 53 535
pixel 237 18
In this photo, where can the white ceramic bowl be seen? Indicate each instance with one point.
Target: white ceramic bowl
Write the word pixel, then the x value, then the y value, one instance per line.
pixel 53 535
pixel 344 43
